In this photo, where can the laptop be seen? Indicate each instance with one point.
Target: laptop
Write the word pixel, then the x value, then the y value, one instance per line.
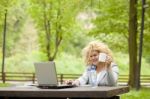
pixel 47 76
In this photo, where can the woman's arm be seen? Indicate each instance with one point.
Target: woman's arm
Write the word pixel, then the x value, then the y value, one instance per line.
pixel 109 76
pixel 84 78
pixel 112 74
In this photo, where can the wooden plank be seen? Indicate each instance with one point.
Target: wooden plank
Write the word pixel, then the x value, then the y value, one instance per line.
pixel 80 92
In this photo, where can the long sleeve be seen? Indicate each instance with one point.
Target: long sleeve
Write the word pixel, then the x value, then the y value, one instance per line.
pixel 104 78
pixel 112 75
pixel 109 77
pixel 84 79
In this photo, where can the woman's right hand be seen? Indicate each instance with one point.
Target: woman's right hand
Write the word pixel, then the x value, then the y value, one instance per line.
pixel 76 83
pixel 69 82
pixel 72 82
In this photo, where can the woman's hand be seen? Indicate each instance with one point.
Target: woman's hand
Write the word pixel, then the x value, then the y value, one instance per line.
pixel 108 62
pixel 68 82
pixel 76 83
pixel 72 82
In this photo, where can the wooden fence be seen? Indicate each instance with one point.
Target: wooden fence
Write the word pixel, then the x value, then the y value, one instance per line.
pixel 22 77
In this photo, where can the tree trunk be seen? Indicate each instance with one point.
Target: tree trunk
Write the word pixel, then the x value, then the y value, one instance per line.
pixel 141 41
pixel 58 36
pixel 133 69
pixel 4 43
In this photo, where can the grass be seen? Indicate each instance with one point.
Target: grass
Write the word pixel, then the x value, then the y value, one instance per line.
pixel 5 84
pixel 143 93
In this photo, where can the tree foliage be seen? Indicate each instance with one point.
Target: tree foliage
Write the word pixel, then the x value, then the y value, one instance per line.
pixel 15 19
pixel 53 22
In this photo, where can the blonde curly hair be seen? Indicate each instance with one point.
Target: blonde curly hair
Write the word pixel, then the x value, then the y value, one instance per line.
pixel 95 46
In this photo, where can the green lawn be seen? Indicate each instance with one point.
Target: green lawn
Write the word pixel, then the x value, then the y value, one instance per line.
pixel 144 93
pixel 5 85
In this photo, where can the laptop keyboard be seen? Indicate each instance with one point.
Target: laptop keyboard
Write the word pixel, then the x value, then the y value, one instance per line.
pixel 56 87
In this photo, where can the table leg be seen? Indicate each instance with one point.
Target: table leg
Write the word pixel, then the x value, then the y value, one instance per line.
pixel 4 98
pixel 114 97
pixel 30 98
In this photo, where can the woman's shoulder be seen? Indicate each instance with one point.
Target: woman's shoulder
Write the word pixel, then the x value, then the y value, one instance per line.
pixel 113 64
pixel 114 67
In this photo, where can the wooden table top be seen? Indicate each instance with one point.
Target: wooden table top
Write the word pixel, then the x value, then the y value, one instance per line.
pixel 84 91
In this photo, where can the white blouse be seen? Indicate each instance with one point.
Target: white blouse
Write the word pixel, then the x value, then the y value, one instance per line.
pixel 104 78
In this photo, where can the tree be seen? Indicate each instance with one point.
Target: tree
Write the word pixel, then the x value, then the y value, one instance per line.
pixel 111 23
pixel 49 23
pixel 4 40
pixel 6 5
pixel 48 31
pixel 16 16
pixel 133 69
pixel 53 23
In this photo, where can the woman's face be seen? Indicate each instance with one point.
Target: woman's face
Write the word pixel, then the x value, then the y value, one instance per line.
pixel 94 57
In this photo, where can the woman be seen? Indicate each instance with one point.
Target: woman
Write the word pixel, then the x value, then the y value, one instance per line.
pixel 106 71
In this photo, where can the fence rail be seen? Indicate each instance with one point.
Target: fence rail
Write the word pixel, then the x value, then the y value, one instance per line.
pixel 18 76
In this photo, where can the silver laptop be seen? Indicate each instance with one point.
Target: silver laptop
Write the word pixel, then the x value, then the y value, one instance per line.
pixel 47 76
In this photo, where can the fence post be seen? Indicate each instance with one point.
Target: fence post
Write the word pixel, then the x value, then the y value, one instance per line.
pixel 4 77
pixel 61 78
pixel 33 78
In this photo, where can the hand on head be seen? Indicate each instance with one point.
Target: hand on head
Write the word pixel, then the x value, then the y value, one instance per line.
pixel 108 61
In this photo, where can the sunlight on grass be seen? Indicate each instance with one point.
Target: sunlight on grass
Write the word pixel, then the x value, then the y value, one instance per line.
pixel 5 84
pixel 144 93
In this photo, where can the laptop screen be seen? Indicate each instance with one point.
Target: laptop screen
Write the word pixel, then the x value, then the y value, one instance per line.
pixel 46 73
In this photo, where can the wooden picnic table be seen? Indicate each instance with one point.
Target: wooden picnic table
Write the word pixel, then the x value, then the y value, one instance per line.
pixel 32 92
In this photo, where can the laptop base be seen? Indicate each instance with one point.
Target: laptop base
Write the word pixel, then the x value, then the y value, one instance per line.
pixel 56 87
